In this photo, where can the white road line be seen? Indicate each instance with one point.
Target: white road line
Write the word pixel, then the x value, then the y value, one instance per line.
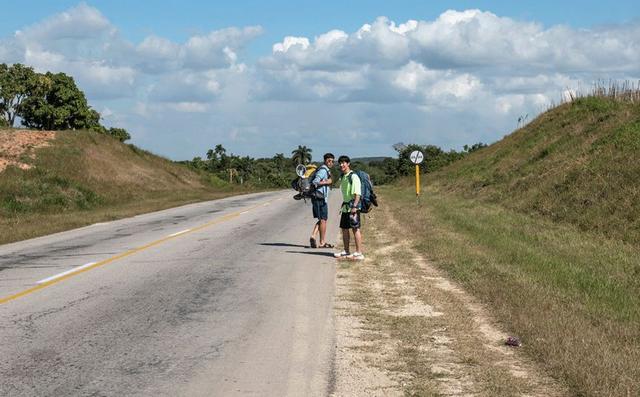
pixel 265 204
pixel 75 269
pixel 244 212
pixel 179 233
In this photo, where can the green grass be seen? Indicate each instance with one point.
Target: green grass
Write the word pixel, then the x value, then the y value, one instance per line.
pixel 577 163
pixel 573 296
pixel 84 177
pixel 41 190
pixel 544 227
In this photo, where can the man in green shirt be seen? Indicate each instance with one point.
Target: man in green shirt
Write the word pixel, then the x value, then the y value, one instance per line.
pixel 350 211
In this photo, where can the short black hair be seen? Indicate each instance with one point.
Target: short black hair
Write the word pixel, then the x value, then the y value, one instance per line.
pixel 345 159
pixel 329 156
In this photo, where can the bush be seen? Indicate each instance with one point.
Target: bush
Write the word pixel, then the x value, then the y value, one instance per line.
pixel 119 133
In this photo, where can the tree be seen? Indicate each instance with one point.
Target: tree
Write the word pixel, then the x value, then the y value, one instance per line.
pixel 434 158
pixel 279 160
pixel 405 166
pixel 119 133
pixel 217 158
pixel 17 82
pixel 301 155
pixel 60 107
pixel 474 147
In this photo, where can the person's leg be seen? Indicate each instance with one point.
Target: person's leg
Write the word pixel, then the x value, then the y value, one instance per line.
pixel 323 231
pixel 344 226
pixel 323 215
pixel 316 214
pixel 357 236
pixel 345 239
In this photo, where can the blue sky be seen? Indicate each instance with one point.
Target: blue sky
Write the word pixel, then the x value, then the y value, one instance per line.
pixel 263 77
pixel 177 20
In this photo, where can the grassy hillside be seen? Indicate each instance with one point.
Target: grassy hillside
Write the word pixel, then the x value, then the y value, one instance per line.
pixel 544 228
pixel 577 163
pixel 85 177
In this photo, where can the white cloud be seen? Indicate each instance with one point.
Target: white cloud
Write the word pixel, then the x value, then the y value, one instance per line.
pixel 458 87
pixel 216 49
pixel 104 81
pixel 414 75
pixel 289 42
pixel 404 28
pixel 188 107
pixel 471 38
pixel 78 23
pixel 84 44
pixel 158 48
pixel 462 77
pixel 186 87
pixel 329 39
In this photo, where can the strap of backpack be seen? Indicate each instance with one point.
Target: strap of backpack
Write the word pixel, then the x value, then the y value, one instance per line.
pixel 318 169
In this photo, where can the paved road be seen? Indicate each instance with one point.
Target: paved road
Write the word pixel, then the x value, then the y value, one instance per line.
pixel 218 298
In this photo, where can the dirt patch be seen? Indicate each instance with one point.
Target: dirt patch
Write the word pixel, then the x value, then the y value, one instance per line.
pixel 355 373
pixel 15 144
pixel 403 328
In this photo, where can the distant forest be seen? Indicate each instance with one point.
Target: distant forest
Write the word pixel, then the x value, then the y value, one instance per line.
pixel 278 171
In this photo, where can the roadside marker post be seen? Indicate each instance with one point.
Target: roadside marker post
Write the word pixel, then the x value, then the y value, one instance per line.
pixel 417 180
pixel 416 158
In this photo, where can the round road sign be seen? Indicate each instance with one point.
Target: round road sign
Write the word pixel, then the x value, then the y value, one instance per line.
pixel 416 157
pixel 300 170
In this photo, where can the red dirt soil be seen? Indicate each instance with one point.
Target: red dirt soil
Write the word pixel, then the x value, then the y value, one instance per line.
pixel 14 143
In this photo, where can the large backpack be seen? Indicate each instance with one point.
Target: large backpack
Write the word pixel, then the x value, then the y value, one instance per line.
pixel 367 195
pixel 303 184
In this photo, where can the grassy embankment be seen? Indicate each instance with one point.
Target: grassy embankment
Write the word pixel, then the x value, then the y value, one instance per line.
pixel 82 178
pixel 544 227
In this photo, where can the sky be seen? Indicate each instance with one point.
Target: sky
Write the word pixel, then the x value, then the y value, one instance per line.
pixel 347 77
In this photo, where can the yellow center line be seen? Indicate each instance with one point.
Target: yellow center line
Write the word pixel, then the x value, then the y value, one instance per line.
pixel 122 255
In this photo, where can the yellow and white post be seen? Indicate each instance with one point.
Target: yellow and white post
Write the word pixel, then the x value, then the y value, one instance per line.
pixel 417 180
pixel 416 158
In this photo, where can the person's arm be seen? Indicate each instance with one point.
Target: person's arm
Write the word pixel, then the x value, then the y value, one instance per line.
pixel 327 181
pixel 356 201
pixel 320 182
pixel 355 185
pixel 316 181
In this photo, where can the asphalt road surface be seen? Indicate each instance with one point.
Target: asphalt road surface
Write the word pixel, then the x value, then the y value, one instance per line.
pixel 211 299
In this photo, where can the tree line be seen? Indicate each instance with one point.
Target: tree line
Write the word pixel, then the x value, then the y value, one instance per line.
pixel 47 101
pixel 278 171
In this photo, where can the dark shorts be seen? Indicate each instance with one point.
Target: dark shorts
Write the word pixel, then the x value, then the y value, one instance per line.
pixel 320 209
pixel 347 222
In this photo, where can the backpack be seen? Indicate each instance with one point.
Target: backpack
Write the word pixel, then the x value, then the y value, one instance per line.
pixel 367 195
pixel 303 184
pixel 311 171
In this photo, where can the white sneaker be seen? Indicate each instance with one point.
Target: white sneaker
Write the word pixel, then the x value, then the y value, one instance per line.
pixel 342 254
pixel 356 256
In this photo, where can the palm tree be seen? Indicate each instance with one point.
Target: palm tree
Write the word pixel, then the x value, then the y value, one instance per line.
pixel 302 155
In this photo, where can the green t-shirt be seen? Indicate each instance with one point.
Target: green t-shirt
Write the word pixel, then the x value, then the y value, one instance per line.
pixel 349 189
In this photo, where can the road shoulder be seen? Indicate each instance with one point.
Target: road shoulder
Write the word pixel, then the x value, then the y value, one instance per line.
pixel 402 327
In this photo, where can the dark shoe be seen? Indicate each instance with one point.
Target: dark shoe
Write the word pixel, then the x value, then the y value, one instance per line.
pixel 298 196
pixel 312 243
